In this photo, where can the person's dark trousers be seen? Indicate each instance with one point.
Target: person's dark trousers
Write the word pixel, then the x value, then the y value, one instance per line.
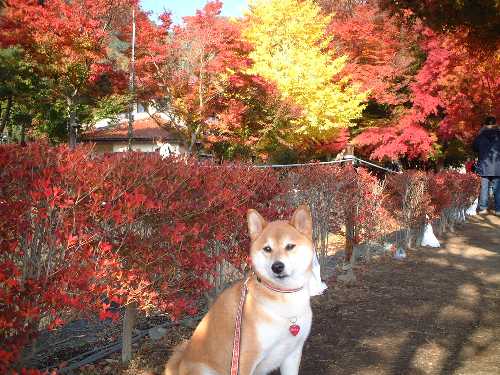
pixel 485 190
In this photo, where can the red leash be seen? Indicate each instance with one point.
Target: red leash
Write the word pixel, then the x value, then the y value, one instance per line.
pixel 294 329
pixel 235 360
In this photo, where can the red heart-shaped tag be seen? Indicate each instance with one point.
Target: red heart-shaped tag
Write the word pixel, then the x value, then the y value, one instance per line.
pixel 294 329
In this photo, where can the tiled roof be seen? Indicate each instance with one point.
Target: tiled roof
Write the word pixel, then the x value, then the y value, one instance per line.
pixel 144 129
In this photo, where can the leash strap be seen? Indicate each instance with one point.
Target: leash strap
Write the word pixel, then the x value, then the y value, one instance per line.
pixel 235 360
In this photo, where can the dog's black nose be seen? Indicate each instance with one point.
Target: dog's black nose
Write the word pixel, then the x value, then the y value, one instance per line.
pixel 278 267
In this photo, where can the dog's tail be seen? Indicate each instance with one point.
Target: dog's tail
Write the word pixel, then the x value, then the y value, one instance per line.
pixel 172 367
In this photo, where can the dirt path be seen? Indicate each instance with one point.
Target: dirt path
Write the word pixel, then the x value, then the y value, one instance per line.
pixel 437 312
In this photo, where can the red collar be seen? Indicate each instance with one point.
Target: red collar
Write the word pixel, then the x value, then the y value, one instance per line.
pixel 274 289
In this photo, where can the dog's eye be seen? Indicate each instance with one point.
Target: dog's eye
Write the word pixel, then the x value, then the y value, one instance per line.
pixel 290 246
pixel 267 249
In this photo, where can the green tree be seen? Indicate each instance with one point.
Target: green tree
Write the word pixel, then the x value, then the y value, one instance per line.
pixel 20 89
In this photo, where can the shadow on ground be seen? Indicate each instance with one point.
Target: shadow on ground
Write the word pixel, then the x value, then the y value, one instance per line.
pixel 438 312
pixel 435 313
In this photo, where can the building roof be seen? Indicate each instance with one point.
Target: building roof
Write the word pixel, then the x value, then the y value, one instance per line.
pixel 147 129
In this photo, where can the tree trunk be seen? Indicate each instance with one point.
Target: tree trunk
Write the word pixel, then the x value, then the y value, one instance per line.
pixel 194 137
pixel 130 129
pixel 201 104
pixel 128 326
pixel 408 239
pixel 130 132
pixel 6 114
pixel 1 109
pixel 71 124
pixel 23 134
pixel 10 132
pixel 72 130
pixel 349 237
pixel 349 225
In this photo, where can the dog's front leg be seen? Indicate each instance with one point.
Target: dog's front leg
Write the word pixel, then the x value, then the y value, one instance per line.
pixel 291 364
pixel 247 367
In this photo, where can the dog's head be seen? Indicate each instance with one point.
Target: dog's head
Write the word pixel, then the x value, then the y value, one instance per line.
pixel 282 251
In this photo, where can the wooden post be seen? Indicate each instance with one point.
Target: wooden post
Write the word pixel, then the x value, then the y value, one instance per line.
pixel 349 238
pixel 349 151
pixel 128 326
pixel 349 225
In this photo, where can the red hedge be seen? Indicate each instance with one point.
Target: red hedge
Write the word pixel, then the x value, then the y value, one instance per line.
pixel 76 227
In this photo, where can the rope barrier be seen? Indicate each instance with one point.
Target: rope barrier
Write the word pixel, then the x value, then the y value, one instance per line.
pixel 374 165
pixel 302 164
pixel 346 159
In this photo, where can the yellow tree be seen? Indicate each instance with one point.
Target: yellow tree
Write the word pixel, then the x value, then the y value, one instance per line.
pixel 290 49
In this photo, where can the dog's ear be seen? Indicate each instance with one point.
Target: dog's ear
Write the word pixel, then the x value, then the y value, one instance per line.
pixel 302 220
pixel 256 224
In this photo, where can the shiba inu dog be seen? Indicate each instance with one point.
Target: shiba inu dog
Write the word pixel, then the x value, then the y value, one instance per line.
pixel 277 316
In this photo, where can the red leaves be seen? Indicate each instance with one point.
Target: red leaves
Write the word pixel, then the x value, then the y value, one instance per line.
pixel 106 313
pixel 150 230
pixel 451 93
pixel 201 65
pixel 450 189
pixel 459 82
pixel 379 50
pixel 42 253
pixel 177 234
pixel 410 200
pixel 393 143
pixel 105 247
pixel 433 86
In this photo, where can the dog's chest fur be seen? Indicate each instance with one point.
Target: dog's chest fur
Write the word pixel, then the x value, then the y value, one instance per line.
pixel 272 330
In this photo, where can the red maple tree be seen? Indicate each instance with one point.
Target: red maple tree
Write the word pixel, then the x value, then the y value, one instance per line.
pixel 200 73
pixel 379 49
pixel 69 44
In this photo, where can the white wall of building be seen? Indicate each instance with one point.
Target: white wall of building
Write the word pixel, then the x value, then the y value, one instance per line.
pixel 166 149
pixel 142 147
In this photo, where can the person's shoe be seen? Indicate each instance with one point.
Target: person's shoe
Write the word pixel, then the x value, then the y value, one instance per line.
pixel 483 211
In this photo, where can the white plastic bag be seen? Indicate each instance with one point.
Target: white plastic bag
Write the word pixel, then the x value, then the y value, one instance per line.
pixel 316 286
pixel 429 239
pixel 400 253
pixel 472 210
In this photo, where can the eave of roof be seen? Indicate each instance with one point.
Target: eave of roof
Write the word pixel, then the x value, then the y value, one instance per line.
pixel 150 129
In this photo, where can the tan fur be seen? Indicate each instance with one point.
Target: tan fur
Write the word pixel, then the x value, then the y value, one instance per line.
pixel 210 346
pixel 173 363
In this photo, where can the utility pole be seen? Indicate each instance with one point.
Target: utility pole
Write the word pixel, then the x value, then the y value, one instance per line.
pixel 131 86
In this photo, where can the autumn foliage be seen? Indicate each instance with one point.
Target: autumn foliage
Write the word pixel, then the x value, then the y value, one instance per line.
pixel 296 77
pixel 428 88
pixel 68 41
pixel 79 231
pixel 379 51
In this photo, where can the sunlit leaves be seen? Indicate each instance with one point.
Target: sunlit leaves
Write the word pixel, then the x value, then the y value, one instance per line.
pixel 289 49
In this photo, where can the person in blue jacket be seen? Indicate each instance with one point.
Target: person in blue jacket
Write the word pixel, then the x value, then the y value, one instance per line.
pixel 487 146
